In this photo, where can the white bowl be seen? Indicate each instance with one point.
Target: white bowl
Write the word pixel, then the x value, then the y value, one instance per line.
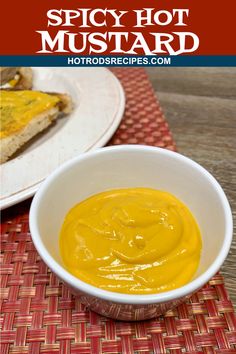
pixel 132 166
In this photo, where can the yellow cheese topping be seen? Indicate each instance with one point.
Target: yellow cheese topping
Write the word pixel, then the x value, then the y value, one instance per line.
pixel 18 108
pixel 133 241
pixel 13 82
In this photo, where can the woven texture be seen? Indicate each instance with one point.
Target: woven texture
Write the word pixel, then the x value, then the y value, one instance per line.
pixel 39 314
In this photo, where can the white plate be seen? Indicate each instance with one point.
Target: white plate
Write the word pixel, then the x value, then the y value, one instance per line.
pixel 99 106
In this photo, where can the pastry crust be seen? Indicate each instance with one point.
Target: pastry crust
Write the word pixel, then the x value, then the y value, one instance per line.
pixel 23 77
pixel 10 144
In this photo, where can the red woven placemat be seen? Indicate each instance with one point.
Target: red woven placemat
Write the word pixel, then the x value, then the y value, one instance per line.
pixel 39 314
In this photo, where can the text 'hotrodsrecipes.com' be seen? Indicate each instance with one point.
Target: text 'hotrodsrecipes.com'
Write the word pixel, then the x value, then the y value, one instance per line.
pixel 118 61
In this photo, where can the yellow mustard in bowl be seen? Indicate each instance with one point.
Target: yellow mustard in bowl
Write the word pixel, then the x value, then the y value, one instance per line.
pixel 133 241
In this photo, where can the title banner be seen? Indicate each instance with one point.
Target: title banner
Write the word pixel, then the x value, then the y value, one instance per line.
pixel 164 28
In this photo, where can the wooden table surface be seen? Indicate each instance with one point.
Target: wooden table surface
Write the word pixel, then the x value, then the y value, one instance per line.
pixel 200 107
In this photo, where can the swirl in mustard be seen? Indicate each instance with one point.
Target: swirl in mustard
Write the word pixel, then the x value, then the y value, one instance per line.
pixel 134 241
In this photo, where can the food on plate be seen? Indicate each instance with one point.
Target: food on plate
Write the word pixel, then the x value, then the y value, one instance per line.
pixel 25 113
pixel 16 78
pixel 133 241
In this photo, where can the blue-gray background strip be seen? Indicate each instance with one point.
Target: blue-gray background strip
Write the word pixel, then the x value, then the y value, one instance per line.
pixel 70 60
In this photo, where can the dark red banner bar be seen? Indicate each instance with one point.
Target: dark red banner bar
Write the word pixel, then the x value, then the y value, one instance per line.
pixel 164 27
